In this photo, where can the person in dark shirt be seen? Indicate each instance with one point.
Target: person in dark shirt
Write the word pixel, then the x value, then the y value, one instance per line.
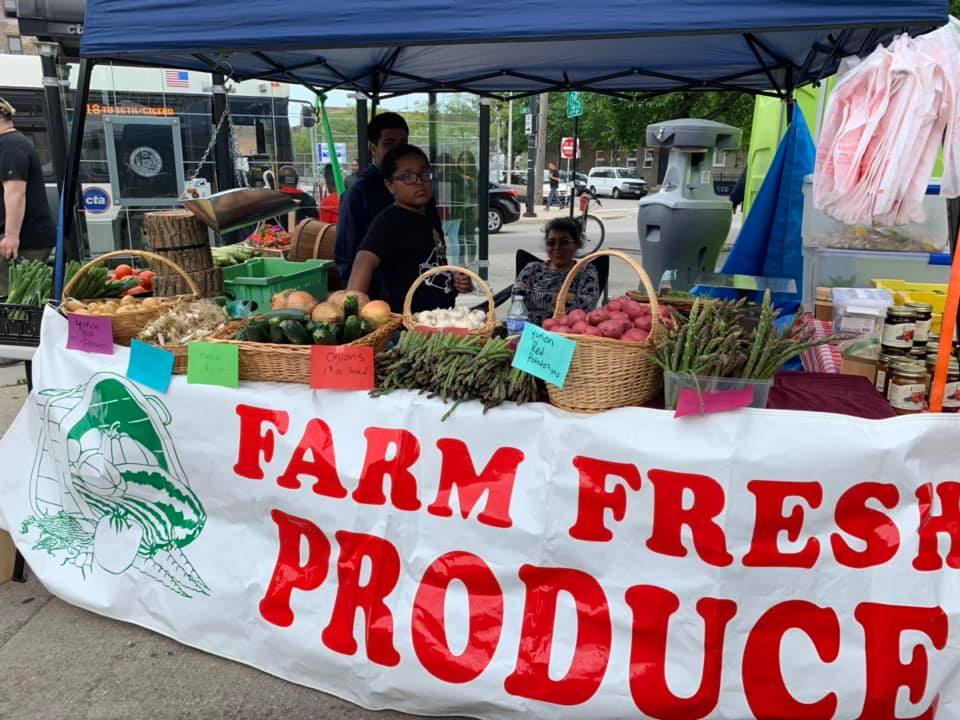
pixel 26 225
pixel 351 179
pixel 403 241
pixel 289 181
pixel 369 194
pixel 553 177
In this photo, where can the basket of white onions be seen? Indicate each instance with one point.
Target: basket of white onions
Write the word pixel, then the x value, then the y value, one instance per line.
pixel 460 320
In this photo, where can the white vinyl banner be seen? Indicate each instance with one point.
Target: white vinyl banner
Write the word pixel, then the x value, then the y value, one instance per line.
pixel 526 563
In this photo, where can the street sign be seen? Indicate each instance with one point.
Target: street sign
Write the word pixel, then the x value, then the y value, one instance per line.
pixel 528 124
pixel 574 104
pixel 566 148
pixel 323 152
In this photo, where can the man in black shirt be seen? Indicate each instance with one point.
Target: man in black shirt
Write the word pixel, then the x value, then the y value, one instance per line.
pixel 26 225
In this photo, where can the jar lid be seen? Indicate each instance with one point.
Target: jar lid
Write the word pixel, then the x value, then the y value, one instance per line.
pixel 920 307
pixel 909 369
pixel 918 353
pixel 901 311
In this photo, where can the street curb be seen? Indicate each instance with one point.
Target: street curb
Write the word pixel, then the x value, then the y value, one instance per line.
pixel 544 217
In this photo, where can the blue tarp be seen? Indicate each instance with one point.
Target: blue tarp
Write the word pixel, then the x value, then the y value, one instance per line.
pixel 398 46
pixel 770 243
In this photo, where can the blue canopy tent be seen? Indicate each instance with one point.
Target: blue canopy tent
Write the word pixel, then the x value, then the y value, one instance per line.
pixel 628 48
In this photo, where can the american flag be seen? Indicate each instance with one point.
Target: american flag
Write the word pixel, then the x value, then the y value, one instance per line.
pixel 176 78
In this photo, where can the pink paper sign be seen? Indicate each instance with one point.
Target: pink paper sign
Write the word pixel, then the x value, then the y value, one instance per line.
pixel 90 333
pixel 690 402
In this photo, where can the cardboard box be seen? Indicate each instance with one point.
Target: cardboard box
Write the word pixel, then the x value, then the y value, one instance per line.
pixel 823 305
pixel 7 554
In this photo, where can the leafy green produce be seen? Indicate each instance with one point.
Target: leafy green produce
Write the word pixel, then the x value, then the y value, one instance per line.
pixel 232 255
pixel 30 283
pixel 96 283
pixel 454 368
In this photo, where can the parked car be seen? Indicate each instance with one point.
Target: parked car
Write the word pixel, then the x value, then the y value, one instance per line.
pixel 616 182
pixel 504 207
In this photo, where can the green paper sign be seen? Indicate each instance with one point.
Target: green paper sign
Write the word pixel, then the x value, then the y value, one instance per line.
pixel 543 354
pixel 213 364
pixel 574 104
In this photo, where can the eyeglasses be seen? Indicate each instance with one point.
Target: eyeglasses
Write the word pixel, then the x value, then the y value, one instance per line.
pixel 552 242
pixel 411 178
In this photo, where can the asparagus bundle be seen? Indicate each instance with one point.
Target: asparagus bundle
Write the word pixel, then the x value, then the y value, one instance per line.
pixel 454 368
pixel 715 341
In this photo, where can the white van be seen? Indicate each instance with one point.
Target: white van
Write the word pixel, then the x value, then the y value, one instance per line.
pixel 616 182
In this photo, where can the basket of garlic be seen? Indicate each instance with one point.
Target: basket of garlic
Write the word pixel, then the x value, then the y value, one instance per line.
pixel 183 324
pixel 458 320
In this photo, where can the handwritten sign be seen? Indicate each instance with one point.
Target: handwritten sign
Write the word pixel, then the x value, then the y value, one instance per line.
pixel 213 364
pixel 150 365
pixel 544 354
pixel 341 367
pixel 690 402
pixel 90 333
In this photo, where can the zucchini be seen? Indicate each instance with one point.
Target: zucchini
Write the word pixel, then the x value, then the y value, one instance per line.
pixel 351 306
pixel 258 331
pixel 284 314
pixel 295 332
pixel 351 329
pixel 276 332
pixel 324 335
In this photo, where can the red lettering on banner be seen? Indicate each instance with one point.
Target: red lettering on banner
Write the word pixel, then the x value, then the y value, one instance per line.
pixel 594 498
pixel 948 521
pixel 669 516
pixel 531 676
pixel 883 626
pixel 317 440
pixel 352 596
pixel 254 442
pixel 763 684
pixel 485 600
pixel 496 479
pixel 289 573
pixel 770 522
pixel 876 529
pixel 652 607
pixel 403 485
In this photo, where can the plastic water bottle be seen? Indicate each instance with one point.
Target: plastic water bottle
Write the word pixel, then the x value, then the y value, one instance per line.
pixel 517 316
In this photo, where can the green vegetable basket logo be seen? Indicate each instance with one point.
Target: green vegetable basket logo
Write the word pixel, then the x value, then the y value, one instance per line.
pixel 107 486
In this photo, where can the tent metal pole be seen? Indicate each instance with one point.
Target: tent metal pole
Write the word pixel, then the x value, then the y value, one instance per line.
pixel 363 147
pixel 224 171
pixel 432 127
pixel 71 181
pixel 483 191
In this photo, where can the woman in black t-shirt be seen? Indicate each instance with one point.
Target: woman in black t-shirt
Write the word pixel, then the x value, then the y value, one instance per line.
pixel 403 242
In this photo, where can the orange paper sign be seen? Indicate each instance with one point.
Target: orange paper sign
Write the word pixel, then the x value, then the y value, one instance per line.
pixel 341 367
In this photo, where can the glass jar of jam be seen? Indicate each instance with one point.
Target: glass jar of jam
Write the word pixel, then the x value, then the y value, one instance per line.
pixel 898 329
pixel 918 354
pixel 951 393
pixel 921 332
pixel 885 371
pixel 933 348
pixel 908 388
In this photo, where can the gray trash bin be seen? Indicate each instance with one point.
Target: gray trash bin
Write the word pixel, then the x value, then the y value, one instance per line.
pixel 683 226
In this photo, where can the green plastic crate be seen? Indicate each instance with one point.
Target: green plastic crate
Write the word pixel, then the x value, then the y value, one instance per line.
pixel 260 278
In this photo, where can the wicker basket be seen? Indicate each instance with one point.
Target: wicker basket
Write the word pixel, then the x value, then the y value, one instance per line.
pixel 291 363
pixel 129 325
pixel 483 333
pixel 605 373
pixel 180 351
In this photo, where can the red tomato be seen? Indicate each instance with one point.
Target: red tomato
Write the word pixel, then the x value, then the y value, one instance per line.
pixel 146 279
pixel 123 271
pixel 138 290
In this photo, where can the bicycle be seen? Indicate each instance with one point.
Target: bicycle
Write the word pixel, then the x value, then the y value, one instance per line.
pixel 592 231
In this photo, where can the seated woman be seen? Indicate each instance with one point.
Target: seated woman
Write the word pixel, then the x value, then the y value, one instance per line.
pixel 541 281
pixel 403 241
